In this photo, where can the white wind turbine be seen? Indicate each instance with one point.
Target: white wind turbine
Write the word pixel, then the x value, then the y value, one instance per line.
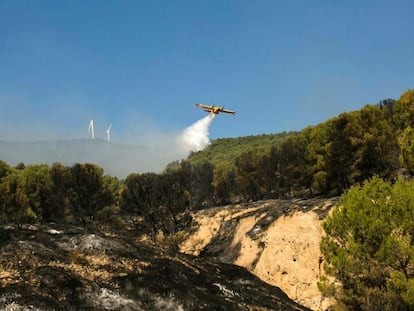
pixel 90 129
pixel 107 133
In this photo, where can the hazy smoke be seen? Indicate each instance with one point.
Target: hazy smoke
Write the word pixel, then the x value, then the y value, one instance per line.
pixel 116 159
pixel 171 147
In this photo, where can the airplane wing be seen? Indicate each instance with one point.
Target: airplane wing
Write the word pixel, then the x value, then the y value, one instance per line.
pixel 228 111
pixel 204 106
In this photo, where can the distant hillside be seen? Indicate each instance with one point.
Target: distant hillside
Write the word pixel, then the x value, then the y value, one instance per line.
pixel 225 150
pixel 116 159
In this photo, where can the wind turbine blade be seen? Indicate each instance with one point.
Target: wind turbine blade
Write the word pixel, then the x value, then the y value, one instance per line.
pixel 90 129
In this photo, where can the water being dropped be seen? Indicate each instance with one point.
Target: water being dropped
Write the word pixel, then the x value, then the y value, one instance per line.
pixel 196 136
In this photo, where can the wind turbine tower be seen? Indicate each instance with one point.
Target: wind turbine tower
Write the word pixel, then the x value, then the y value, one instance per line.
pixel 91 130
pixel 108 132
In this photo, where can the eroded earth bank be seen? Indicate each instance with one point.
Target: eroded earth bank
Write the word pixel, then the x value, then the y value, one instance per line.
pixel 277 240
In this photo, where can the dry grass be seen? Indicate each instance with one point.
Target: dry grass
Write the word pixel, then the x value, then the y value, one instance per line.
pixel 100 267
pixel 7 277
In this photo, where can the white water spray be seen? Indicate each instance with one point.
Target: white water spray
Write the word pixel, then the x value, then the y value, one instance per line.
pixel 196 136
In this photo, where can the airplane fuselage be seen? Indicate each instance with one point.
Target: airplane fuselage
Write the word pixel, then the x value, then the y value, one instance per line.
pixel 214 109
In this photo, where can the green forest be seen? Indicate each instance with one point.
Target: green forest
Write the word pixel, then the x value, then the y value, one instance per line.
pixel 367 156
pixel 369 247
pixel 322 160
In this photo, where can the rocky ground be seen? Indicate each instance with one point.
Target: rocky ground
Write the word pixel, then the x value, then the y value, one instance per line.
pixel 277 240
pixel 76 268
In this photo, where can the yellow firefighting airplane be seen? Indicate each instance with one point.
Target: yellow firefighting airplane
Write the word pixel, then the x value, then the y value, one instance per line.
pixel 214 109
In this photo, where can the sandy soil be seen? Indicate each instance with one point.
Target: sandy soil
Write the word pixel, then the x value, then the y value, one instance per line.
pixel 249 250
pixel 208 228
pixel 291 258
pixel 286 252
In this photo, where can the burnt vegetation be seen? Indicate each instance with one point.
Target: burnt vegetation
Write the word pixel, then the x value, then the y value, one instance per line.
pixel 76 268
pixel 323 160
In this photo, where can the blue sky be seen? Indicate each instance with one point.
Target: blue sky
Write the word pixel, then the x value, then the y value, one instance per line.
pixel 142 65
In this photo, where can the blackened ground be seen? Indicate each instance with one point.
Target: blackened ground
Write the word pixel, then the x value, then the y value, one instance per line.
pixel 73 268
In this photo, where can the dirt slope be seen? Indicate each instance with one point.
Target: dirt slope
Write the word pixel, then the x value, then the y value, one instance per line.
pixel 277 240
